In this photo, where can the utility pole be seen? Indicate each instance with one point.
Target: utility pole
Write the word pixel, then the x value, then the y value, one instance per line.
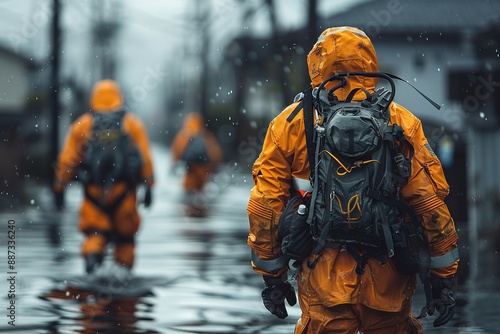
pixel 276 53
pixel 312 17
pixel 312 33
pixel 54 86
pixel 204 24
pixel 104 30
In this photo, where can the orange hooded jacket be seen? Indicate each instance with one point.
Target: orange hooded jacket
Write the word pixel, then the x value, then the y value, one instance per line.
pixel 106 97
pixel 284 158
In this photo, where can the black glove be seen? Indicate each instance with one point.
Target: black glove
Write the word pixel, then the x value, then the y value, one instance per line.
pixel 274 296
pixel 59 200
pixel 443 299
pixel 148 198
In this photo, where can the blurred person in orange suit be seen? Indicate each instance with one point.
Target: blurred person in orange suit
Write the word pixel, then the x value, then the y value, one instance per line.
pixel 198 148
pixel 107 150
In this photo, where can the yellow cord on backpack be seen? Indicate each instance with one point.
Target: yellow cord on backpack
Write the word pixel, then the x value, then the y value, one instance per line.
pixel 351 207
pixel 353 203
pixel 342 169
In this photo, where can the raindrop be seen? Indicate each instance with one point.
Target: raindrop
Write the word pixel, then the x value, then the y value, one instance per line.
pixel 439 70
pixel 482 115
pixel 32 201
pixel 67 293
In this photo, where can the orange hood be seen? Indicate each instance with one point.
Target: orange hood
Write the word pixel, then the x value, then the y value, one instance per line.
pixel 343 49
pixel 194 122
pixel 106 96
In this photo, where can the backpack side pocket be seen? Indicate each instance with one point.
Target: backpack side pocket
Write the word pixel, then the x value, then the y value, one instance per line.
pixel 296 239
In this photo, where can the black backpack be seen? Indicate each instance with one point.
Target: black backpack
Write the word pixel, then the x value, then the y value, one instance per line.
pixel 357 170
pixel 110 155
pixel 196 151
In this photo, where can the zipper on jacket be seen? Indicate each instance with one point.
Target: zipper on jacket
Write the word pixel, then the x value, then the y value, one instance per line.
pixel 427 171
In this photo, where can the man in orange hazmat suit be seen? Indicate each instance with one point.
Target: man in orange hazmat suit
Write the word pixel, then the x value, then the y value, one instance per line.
pixel 333 297
pixel 201 157
pixel 109 209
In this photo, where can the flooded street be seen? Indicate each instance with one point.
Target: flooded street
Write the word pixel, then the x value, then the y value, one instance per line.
pixel 192 275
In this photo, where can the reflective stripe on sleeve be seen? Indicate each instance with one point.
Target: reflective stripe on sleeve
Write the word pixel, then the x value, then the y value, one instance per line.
pixel 270 266
pixel 445 260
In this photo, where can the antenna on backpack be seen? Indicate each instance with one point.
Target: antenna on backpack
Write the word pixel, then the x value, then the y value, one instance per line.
pixel 434 104
pixel 386 76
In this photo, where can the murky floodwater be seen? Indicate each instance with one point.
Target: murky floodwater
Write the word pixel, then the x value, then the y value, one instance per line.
pixel 192 275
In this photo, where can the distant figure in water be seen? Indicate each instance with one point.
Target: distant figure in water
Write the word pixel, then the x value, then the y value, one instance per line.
pixel 107 150
pixel 198 149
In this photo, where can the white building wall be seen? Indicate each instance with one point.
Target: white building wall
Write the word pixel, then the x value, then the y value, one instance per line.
pixel 14 84
pixel 427 67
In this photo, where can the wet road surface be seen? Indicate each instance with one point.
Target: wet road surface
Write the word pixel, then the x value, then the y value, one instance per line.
pixel 192 275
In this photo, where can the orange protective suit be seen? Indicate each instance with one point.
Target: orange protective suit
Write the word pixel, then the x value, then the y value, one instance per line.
pixel 332 296
pixel 97 224
pixel 197 174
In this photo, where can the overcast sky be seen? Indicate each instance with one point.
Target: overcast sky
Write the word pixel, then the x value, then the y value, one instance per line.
pixel 156 36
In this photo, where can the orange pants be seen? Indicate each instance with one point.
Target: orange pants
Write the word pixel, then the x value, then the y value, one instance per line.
pixel 349 319
pixel 196 177
pixel 121 225
pixel 123 253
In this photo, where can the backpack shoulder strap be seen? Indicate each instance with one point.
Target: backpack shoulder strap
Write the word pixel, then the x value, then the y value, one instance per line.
pixel 381 99
pixel 306 104
pixel 298 97
pixel 395 135
pixel 309 127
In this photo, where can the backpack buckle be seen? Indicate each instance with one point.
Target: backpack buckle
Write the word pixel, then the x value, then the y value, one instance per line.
pixel 298 97
pixel 319 130
pixel 399 158
pixel 402 165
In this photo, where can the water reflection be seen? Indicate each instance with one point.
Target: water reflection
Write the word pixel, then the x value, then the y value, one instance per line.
pixel 100 310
